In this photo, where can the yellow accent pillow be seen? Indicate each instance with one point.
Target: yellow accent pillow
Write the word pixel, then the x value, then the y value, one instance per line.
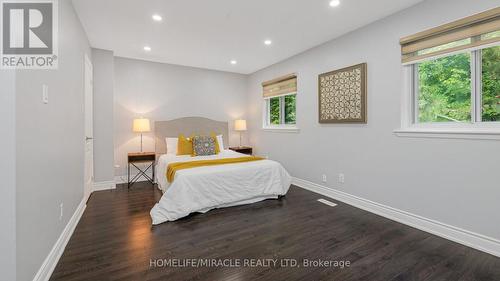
pixel 184 145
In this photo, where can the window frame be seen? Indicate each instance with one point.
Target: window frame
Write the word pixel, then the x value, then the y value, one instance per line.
pixel 475 129
pixel 266 116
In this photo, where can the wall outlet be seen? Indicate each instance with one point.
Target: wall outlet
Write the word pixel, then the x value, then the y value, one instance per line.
pixel 324 178
pixel 341 178
pixel 61 207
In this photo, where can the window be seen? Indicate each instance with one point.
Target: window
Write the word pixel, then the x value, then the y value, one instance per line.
pixel 281 110
pixel 453 76
pixel 490 82
pixel 280 97
pixel 289 104
pixel 444 89
pixel 460 88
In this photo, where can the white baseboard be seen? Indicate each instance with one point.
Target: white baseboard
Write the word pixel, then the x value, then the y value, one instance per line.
pixel 52 259
pixel 474 240
pixel 120 179
pixel 103 185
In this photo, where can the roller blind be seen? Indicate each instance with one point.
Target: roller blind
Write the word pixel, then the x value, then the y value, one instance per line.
pixel 280 86
pixel 467 33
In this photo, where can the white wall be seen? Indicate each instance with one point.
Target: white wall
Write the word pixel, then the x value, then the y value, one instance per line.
pixel 8 176
pixel 451 181
pixel 103 66
pixel 50 146
pixel 163 92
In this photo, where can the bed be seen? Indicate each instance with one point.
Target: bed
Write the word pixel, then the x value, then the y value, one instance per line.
pixel 201 189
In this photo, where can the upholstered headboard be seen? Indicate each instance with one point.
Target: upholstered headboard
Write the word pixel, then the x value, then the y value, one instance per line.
pixel 187 126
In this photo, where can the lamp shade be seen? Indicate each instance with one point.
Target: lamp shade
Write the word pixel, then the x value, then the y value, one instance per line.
pixel 240 125
pixel 141 125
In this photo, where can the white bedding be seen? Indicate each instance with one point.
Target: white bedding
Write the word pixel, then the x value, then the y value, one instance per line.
pixel 205 188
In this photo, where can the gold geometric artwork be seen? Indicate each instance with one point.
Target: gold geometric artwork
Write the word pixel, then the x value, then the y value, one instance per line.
pixel 342 95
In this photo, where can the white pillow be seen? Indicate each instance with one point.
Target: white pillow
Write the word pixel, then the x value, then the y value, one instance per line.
pixel 171 145
pixel 221 143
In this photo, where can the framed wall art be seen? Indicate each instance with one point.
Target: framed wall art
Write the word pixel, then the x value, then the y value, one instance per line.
pixel 342 95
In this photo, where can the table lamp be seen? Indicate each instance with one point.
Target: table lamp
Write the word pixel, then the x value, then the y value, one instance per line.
pixel 141 125
pixel 240 125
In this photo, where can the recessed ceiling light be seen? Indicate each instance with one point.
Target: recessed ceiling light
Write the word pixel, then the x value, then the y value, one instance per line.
pixel 233 62
pixel 147 48
pixel 157 17
pixel 334 3
pixel 268 42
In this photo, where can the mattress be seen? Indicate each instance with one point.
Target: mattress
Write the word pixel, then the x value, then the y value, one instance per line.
pixel 201 189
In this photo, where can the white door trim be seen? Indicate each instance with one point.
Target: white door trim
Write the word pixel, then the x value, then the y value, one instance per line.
pixel 88 117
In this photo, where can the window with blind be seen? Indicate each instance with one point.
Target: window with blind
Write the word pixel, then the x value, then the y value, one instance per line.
pixel 454 72
pixel 280 98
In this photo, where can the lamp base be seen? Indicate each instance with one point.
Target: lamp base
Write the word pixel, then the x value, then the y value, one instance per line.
pixel 141 142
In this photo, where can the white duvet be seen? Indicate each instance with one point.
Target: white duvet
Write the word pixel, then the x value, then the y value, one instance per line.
pixel 204 188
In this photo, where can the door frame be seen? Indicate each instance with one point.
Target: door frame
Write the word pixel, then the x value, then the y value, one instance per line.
pixel 87 188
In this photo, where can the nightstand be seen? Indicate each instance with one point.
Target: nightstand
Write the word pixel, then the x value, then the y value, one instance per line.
pixel 141 158
pixel 243 149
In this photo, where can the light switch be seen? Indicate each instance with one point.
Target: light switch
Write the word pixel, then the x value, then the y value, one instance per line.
pixel 45 94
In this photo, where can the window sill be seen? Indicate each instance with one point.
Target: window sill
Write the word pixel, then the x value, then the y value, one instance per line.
pixel 450 133
pixel 283 129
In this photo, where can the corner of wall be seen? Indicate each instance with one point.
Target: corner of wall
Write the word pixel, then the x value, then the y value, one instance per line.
pixel 8 169
pixel 103 67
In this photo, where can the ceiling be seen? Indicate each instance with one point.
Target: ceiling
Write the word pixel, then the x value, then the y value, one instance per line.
pixel 211 33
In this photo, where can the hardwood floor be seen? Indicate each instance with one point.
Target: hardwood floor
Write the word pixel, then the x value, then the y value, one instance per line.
pixel 115 241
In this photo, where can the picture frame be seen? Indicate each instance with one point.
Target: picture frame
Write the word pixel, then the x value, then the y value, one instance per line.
pixel 342 95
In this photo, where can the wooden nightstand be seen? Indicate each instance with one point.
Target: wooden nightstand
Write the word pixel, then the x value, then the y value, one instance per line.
pixel 141 158
pixel 243 149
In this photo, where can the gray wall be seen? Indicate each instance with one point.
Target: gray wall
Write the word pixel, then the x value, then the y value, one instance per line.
pixel 8 176
pixel 50 146
pixel 103 61
pixel 163 92
pixel 452 181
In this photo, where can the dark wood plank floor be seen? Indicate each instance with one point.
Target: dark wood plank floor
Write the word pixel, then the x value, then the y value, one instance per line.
pixel 115 241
